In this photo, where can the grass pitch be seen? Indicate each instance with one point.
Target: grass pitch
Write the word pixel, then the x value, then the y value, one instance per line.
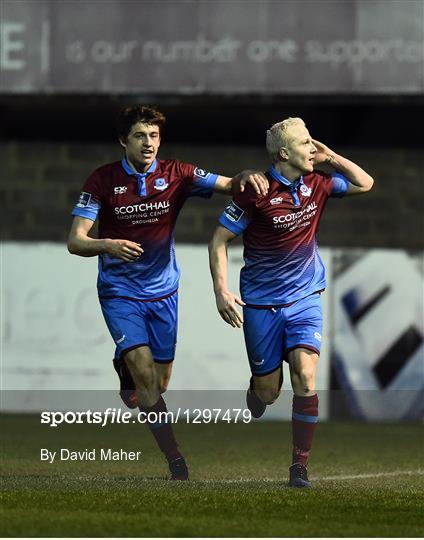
pixel 368 479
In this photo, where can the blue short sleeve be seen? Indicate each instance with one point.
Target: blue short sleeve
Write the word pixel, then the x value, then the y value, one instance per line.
pixel 203 183
pixel 340 185
pixel 86 207
pixel 234 218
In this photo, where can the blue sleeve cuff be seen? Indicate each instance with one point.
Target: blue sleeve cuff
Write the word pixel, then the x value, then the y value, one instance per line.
pixel 203 184
pixel 235 227
pixel 340 185
pixel 234 218
pixel 90 211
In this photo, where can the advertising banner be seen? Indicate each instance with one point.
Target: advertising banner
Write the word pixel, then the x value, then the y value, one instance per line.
pixel 212 47
pixel 378 332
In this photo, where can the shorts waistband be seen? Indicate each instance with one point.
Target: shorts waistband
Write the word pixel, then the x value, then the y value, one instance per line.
pixel 140 299
pixel 274 306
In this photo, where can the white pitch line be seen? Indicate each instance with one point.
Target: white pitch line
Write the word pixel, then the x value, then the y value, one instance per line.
pixel 419 472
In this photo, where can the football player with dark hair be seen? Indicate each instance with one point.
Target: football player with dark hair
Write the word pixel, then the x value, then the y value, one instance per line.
pixel 137 201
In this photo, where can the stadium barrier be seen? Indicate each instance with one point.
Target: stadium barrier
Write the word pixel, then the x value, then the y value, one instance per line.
pixel 56 351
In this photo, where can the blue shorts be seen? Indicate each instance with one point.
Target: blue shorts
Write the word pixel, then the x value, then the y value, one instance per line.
pixel 270 333
pixel 133 323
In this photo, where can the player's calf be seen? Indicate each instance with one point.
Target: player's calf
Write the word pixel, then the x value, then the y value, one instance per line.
pixel 267 395
pixel 160 424
pixel 263 391
pixel 142 368
pixel 268 387
pixel 126 382
pixel 255 405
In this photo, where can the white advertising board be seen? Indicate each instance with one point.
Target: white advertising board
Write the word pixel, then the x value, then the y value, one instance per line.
pixel 54 337
pixel 378 338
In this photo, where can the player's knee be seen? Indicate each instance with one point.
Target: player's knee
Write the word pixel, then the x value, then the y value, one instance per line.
pixel 163 385
pixel 146 377
pixel 143 370
pixel 267 395
pixel 307 379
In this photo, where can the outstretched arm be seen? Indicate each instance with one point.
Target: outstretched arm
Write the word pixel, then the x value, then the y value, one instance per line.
pixel 360 181
pixel 218 261
pixel 232 186
pixel 79 243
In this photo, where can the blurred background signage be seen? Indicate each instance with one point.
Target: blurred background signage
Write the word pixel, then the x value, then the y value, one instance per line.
pixel 190 47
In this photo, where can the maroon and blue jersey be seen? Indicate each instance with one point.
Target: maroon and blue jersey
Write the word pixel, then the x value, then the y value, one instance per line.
pixel 143 208
pixel 282 261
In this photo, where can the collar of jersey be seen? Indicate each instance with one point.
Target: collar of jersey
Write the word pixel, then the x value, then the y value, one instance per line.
pixel 129 170
pixel 140 177
pixel 282 180
pixel 292 185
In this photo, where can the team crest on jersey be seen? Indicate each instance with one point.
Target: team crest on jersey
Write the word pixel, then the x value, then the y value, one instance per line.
pixel 200 173
pixel 305 190
pixel 119 190
pixel 161 184
pixel 84 200
pixel 233 212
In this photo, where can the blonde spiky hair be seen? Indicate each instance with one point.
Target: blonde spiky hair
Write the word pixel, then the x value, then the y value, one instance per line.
pixel 277 137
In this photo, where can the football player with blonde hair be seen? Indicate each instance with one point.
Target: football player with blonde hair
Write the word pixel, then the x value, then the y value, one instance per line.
pixel 283 275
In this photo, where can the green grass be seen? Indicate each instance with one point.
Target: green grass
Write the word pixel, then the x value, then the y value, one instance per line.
pixel 238 482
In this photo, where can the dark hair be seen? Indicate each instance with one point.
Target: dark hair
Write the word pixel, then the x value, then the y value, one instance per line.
pixel 138 113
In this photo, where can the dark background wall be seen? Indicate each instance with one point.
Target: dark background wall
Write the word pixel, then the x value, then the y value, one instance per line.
pixel 49 145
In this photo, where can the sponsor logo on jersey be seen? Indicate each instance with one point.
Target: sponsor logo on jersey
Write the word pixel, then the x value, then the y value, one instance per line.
pixel 233 212
pixel 120 340
pixel 276 200
pixel 305 190
pixel 118 190
pixel 200 173
pixel 143 207
pixel 161 184
pixel 294 216
pixel 84 200
pixel 317 336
